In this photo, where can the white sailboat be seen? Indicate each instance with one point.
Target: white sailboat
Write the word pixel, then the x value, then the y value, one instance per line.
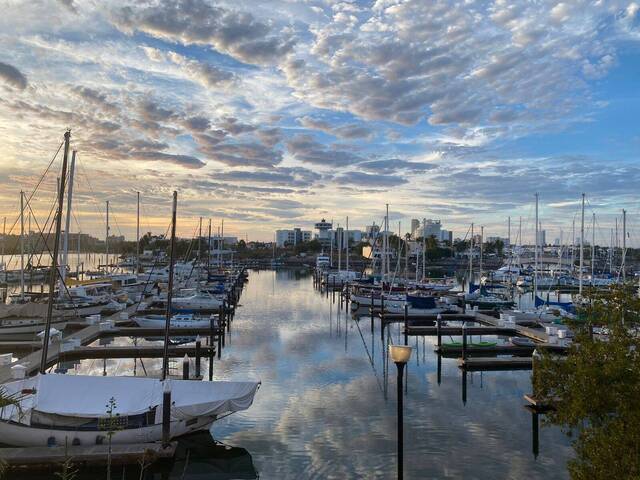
pixel 58 409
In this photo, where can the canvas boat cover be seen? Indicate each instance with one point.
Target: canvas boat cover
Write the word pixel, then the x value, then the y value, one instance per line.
pixel 88 396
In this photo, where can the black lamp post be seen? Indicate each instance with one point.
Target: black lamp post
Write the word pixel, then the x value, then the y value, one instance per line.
pixel 400 355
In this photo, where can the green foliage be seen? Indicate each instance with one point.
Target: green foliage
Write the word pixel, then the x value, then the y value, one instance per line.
pixel 69 472
pixel 594 390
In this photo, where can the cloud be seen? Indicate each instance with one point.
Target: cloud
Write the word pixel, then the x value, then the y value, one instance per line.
pixel 244 154
pixel 12 76
pixel 350 131
pixel 235 33
pixel 185 161
pixel 306 149
pixel 394 165
pixel 367 180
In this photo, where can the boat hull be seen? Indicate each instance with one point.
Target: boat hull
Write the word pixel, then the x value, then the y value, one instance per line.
pixel 20 435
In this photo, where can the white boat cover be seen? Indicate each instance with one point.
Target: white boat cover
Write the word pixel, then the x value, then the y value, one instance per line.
pixel 87 396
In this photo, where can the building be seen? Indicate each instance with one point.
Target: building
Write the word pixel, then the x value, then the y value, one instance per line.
pixel 415 227
pixel 542 237
pixel 431 228
pixel 446 236
pixel 324 231
pixel 372 231
pixel 354 236
pixel 285 238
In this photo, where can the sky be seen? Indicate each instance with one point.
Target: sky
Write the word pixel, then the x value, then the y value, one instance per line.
pixel 278 113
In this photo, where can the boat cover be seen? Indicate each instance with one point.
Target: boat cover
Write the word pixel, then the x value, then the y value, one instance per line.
pixel 567 306
pixel 87 396
pixel 421 302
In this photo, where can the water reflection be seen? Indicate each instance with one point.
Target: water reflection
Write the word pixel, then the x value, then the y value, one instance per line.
pixel 324 409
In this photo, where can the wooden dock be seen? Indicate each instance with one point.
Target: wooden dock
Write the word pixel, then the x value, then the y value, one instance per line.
pixel 495 364
pixel 473 351
pixel 132 351
pixel 457 331
pixel 34 458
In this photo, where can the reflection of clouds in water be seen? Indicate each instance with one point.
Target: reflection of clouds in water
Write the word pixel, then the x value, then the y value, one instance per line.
pixel 321 413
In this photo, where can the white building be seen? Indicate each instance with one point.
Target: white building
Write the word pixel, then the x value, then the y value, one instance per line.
pixel 324 231
pixel 286 238
pixel 415 227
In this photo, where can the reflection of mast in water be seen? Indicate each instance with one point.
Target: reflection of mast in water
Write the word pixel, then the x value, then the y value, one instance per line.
pixel 439 368
pixel 371 357
pixel 464 386
pixel 535 439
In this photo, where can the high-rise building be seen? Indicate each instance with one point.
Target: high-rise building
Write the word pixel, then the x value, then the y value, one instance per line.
pixel 415 227
pixel 542 237
pixel 431 228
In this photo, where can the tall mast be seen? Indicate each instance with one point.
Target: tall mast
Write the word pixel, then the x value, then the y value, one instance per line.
pixel 209 249
pixel 137 232
pixel 167 324
pixel 21 245
pixel 509 231
pixel 573 245
pixel 519 241
pixel 611 251
pixel 347 247
pixel 340 241
pixel 106 242
pixel 54 261
pixel 624 244
pixel 535 255
pixel 593 246
pixel 78 258
pixel 581 247
pixel 199 239
pixel 221 245
pixel 331 245
pixel 424 255
pixel 471 259
pixel 481 247
pixel 67 225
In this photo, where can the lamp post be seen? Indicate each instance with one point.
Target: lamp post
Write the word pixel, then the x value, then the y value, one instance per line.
pixel 400 355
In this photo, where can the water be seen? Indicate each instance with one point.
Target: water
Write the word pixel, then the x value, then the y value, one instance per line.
pixel 327 404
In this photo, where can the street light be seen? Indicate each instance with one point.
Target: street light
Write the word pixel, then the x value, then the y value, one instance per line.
pixel 400 355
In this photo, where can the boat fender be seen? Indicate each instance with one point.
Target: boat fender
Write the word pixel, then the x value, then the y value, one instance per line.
pixel 75 442
pixel 99 440
pixel 51 441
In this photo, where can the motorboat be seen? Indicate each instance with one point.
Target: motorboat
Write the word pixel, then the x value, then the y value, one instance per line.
pixel 177 321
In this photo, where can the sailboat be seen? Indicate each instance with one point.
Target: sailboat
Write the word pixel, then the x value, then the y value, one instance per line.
pixel 53 409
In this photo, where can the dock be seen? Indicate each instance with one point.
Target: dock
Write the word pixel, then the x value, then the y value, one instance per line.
pixel 39 458
pixel 473 364
pixel 132 351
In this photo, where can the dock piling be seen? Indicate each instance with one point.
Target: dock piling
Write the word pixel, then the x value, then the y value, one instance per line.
pixel 166 415
pixel 406 323
pixel 185 367
pixel 464 340
pixel 438 330
pixel 198 355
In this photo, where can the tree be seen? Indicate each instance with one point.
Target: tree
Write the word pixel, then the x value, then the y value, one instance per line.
pixel 593 391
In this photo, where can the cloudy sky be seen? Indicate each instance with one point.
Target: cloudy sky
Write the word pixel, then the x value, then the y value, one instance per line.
pixel 276 113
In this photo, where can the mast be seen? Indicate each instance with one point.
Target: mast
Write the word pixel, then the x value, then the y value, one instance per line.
pixel 167 324
pixel 481 247
pixel 78 258
pixel 54 261
pixel 4 240
pixel 535 255
pixel 106 242
pixel 347 247
pixel 509 231
pixel 581 247
pixel 67 226
pixel 611 251
pixel 137 233
pixel 624 245
pixel 519 243
pixel 573 245
pixel 209 249
pixel 331 246
pixel 593 246
pixel 340 241
pixel 424 255
pixel 199 239
pixel 221 245
pixel 21 245
pixel 471 259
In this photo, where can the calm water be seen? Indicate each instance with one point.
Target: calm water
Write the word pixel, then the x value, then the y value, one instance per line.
pixel 327 407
